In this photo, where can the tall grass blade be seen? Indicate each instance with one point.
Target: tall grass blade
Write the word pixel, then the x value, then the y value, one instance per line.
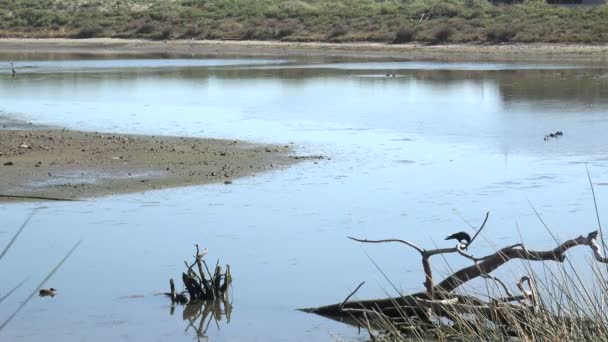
pixel 17 234
pixel 48 276
pixel 12 290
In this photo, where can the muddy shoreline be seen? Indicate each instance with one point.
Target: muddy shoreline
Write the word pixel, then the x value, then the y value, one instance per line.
pixel 14 48
pixel 40 161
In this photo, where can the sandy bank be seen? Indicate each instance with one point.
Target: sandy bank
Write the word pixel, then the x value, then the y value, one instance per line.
pixel 189 48
pixel 45 162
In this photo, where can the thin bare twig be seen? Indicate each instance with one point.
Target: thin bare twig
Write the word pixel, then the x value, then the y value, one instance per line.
pixel 420 250
pixel 597 213
pixel 352 293
pixel 480 229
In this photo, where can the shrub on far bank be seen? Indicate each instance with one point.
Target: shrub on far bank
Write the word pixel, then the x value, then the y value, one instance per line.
pixel 337 31
pixel 404 35
pixel 500 34
pixel 391 21
pixel 162 35
pixel 443 34
pixel 88 32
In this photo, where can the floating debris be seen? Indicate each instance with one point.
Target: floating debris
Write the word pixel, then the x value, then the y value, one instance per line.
pixel 553 135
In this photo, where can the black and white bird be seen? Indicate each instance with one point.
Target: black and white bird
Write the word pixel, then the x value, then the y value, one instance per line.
pixel 461 237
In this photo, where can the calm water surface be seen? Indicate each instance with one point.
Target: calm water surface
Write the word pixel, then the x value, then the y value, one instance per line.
pixel 412 156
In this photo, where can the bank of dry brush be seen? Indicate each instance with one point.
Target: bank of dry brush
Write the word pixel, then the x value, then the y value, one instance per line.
pixel 399 21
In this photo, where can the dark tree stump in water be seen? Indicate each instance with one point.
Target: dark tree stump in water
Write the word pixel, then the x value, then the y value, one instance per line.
pixel 202 286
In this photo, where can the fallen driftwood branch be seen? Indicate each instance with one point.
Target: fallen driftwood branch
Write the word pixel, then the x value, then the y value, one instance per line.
pixel 202 285
pixel 440 301
pixel 427 254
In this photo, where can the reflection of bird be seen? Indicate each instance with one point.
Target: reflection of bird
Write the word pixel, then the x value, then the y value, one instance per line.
pixel 47 292
pixel 460 236
pixel 182 298
pixel 13 69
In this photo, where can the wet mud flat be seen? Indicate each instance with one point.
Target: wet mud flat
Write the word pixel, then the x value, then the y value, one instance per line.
pixel 39 162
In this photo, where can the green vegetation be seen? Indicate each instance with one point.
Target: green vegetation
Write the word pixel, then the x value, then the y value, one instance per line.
pixel 398 21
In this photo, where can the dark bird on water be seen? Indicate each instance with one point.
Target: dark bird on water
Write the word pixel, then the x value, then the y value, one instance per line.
pixel 47 292
pixel 460 236
pixel 182 298
pixel 13 69
pixel 554 135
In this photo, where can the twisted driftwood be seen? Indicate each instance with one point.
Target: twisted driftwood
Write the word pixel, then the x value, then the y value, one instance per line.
pixel 439 299
pixel 202 285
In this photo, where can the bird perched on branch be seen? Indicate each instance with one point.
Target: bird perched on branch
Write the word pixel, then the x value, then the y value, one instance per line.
pixel 460 236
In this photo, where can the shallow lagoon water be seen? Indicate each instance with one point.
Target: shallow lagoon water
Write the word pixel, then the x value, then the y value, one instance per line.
pixel 411 157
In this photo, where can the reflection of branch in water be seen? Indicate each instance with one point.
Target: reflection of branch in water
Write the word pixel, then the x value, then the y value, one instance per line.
pixel 204 296
pixel 204 312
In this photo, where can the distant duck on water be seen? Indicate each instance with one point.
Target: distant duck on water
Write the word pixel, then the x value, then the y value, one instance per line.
pixel 554 135
pixel 47 292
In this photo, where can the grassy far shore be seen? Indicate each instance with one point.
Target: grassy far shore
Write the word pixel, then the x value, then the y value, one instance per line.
pixel 389 21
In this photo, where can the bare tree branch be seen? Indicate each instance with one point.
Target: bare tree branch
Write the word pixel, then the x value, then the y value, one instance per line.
pixel 352 293
pixel 480 228
pixel 494 261
pixel 499 282
pixel 420 250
